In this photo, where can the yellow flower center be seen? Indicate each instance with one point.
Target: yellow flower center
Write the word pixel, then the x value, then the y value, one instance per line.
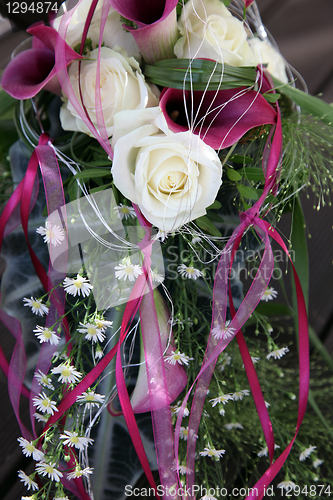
pixel 124 210
pixel 45 403
pixel 190 270
pixel 91 330
pixel 49 469
pixel 74 439
pixel 36 305
pixel 176 357
pixel 30 447
pixel 66 372
pixel 90 397
pixel 47 333
pixel 185 432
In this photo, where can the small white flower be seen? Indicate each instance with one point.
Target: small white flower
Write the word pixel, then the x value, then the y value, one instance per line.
pixel 44 404
pixel 29 449
pixel 32 497
pixel 183 433
pixel 158 278
pixel 61 498
pixel 91 399
pixel 92 332
pixel 46 335
pixel 102 324
pixel 49 470
pixel 232 426
pixel 189 272
pixel 222 412
pixel 41 418
pixel 195 240
pixel 220 332
pixel 224 398
pixel 78 285
pixel 208 497
pixel 287 485
pixel 73 439
pixel 99 352
pixel 161 236
pixel 175 410
pixel 212 452
pixel 317 463
pixel 264 451
pixel 127 270
pixel 36 305
pixel 269 294
pixel 278 353
pixel 68 374
pixel 78 472
pixel 124 212
pixel 51 233
pixel 28 482
pixel 306 453
pixel 44 380
pixel 267 404
pixel 184 470
pixel 238 395
pixel 178 357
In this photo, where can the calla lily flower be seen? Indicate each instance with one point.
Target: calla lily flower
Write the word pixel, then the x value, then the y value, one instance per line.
pixel 220 118
pixel 156 21
pixel 176 377
pixel 34 69
pixel 248 3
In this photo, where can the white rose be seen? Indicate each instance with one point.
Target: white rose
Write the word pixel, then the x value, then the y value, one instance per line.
pixel 122 86
pixel 171 177
pixel 113 34
pixel 210 31
pixel 265 53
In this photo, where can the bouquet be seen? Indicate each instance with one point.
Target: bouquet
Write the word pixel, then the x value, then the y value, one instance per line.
pixel 171 137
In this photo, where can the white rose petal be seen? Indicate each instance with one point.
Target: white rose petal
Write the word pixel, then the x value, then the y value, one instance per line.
pixel 171 177
pixel 265 53
pixel 210 31
pixel 122 87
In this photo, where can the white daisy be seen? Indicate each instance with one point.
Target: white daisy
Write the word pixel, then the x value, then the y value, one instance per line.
pixel 220 332
pixel 264 451
pixel 29 449
pixel 222 412
pixel 44 404
pixel 182 469
pixel 51 233
pixel 175 410
pixel 49 470
pixel 92 332
pixel 183 433
pixel 41 418
pixel 195 240
pixel 102 324
pixel 224 398
pixel 32 497
pixel 28 482
pixel 127 270
pixel 317 463
pixel 161 236
pixel 61 498
pixel 189 272
pixel 287 485
pixel 238 395
pixel 158 278
pixel 278 353
pixel 124 212
pixel 78 472
pixel 46 335
pixel 36 305
pixel 44 380
pixel 306 453
pixel 269 294
pixel 90 399
pixel 73 439
pixel 212 452
pixel 78 285
pixel 68 374
pixel 208 497
pixel 232 426
pixel 99 352
pixel 177 357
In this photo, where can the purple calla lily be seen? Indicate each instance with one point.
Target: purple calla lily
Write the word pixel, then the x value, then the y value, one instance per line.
pixel 219 118
pixel 157 31
pixel 248 3
pixel 34 69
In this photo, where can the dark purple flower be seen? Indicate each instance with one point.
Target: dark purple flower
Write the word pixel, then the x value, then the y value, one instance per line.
pixel 157 31
pixel 220 118
pixel 34 69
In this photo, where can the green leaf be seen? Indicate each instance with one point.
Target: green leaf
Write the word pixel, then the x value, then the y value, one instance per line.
pixel 233 175
pixel 247 192
pixel 300 252
pixel 273 309
pixel 240 159
pixel 90 173
pixel 310 104
pixel 272 97
pixel 253 173
pixel 100 188
pixel 214 217
pixel 7 105
pixel 214 206
pixel 206 225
